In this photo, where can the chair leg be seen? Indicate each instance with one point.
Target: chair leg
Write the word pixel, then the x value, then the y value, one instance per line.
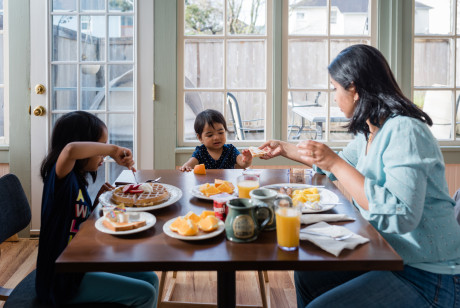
pixel 263 280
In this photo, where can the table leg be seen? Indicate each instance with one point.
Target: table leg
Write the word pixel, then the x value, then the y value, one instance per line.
pixel 300 129
pixel 319 130
pixel 226 290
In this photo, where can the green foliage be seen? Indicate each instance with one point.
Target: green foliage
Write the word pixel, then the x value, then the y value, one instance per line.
pixel 203 19
pixel 123 5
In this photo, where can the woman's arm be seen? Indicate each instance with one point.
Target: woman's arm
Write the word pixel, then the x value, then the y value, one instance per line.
pixel 281 148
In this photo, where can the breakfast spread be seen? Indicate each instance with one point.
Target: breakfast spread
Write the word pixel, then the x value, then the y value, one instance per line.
pixel 140 195
pixel 218 187
pixel 118 220
pixel 191 223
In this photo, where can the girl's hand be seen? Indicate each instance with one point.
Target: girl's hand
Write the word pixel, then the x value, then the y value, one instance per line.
pixel 124 157
pixel 247 158
pixel 312 152
pixel 274 148
pixel 185 168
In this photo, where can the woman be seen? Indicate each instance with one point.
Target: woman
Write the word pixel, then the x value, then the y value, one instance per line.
pixel 394 171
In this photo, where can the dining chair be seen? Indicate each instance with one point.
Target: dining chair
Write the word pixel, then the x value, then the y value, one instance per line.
pixel 238 124
pixel 16 216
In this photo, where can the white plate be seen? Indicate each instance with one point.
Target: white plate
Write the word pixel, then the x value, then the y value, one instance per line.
pixel 150 221
pixel 200 236
pixel 328 199
pixel 197 193
pixel 175 194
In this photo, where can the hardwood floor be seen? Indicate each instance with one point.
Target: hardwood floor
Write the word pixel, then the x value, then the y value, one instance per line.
pixel 17 259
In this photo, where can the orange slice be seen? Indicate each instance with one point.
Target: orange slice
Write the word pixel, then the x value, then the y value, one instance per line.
pixel 188 228
pixel 204 187
pixel 199 169
pixel 211 190
pixel 208 224
pixel 177 223
pixel 193 217
pixel 225 187
pixel 205 214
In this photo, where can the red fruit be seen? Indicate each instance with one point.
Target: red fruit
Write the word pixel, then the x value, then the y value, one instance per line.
pixel 135 186
pixel 127 188
pixel 135 191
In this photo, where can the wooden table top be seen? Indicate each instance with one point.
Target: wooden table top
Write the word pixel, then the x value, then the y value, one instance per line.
pixel 92 250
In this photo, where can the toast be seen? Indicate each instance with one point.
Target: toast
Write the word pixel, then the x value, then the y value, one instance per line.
pixel 256 152
pixel 122 226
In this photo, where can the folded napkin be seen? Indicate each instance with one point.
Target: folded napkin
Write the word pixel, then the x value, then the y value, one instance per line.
pixel 312 218
pixel 328 243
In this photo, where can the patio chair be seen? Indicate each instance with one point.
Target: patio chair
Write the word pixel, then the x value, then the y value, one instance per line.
pixel 294 107
pixel 240 126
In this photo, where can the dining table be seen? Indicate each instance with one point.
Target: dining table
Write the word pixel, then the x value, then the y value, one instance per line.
pixel 153 250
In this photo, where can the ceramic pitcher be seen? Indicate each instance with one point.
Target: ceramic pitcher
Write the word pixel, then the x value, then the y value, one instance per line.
pixel 242 224
pixel 267 196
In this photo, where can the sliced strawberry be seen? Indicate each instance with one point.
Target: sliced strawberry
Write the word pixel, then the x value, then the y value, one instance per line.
pixel 136 186
pixel 127 188
pixel 135 191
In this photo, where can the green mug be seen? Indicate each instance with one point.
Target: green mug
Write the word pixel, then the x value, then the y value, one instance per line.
pixel 241 224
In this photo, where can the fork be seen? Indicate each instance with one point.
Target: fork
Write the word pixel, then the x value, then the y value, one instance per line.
pixel 337 238
pixel 153 181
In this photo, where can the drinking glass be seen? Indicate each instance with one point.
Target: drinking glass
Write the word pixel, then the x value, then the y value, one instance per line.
pixel 245 184
pixel 287 224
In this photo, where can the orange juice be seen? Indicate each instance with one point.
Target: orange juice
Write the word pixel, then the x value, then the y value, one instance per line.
pixel 288 228
pixel 245 186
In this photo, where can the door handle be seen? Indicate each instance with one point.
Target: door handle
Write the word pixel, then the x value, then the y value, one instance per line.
pixel 39 111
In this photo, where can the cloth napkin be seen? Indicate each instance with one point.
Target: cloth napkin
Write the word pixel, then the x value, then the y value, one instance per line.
pixel 312 218
pixel 329 244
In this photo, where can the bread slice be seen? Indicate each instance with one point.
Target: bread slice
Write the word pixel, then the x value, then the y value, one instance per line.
pixel 123 226
pixel 256 152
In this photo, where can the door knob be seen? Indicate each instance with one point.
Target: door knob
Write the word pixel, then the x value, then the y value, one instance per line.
pixel 39 111
pixel 40 89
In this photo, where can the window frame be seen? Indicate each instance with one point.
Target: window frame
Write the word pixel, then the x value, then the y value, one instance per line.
pixel 4 140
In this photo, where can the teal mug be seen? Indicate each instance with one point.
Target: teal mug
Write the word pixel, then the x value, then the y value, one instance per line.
pixel 241 224
pixel 268 197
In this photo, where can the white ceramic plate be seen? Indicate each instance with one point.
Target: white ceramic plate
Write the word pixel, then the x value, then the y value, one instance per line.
pixel 197 193
pixel 150 221
pixel 200 236
pixel 175 194
pixel 328 199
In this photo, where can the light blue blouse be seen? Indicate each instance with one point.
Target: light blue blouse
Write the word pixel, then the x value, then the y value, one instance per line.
pixel 409 202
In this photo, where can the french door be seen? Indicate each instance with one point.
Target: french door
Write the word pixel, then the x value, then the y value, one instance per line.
pixel 89 58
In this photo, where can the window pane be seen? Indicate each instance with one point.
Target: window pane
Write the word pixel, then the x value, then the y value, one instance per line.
pixel 457 119
pixel 64 5
pixel 246 64
pixel 64 87
pixel 121 130
pixel 252 112
pixel 2 69
pixel 350 17
pixel 246 17
pixel 92 5
pixel 307 63
pixel 307 17
pixel 434 62
pixel 92 38
pixel 204 17
pixel 121 33
pixel 2 112
pixel 121 92
pixel 63 43
pixel 438 105
pixel 204 64
pixel 338 45
pixel 432 17
pixel 92 87
pixel 121 5
pixel 194 103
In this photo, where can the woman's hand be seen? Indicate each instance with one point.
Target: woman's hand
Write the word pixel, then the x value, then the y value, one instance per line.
pixel 274 148
pixel 317 153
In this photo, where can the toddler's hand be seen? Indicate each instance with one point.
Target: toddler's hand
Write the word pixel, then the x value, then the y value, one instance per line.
pixel 185 168
pixel 247 156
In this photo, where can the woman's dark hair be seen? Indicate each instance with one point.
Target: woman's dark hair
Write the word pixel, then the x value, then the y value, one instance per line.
pixel 209 116
pixel 380 97
pixel 72 127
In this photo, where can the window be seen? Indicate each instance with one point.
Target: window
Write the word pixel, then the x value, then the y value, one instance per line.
pixel 3 97
pixel 436 86
pixel 224 46
pixel 310 46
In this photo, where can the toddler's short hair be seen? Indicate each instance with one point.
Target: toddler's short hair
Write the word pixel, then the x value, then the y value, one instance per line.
pixel 209 116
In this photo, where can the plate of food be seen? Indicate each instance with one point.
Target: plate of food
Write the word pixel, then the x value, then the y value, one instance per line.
pixel 192 227
pixel 315 199
pixel 142 197
pixel 207 190
pixel 132 223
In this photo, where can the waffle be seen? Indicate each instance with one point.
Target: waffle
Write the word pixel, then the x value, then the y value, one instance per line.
pixel 158 195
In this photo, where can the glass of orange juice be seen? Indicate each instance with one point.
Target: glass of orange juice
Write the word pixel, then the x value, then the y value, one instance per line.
pixel 245 184
pixel 287 224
